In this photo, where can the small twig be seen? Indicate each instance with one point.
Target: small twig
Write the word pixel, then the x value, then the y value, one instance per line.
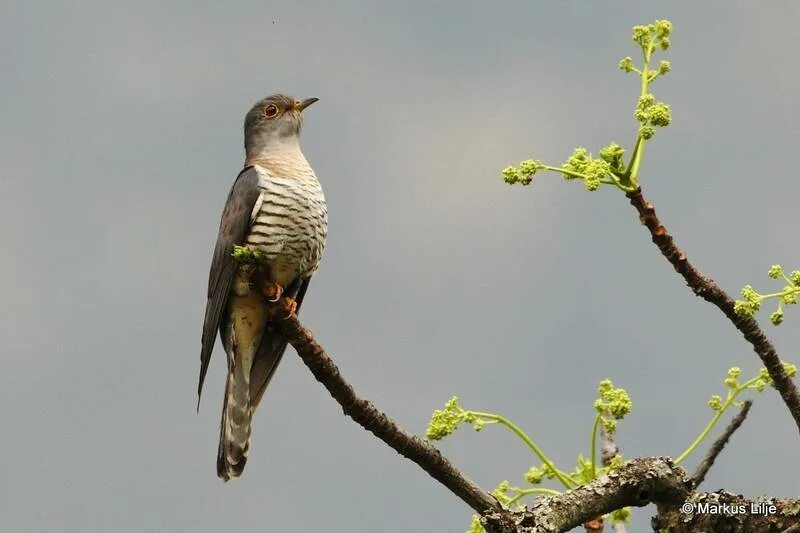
pixel 608 447
pixel 702 469
pixel 792 529
pixel 708 289
pixel 608 450
pixel 370 418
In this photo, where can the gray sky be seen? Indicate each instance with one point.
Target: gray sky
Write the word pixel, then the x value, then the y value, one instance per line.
pixel 121 135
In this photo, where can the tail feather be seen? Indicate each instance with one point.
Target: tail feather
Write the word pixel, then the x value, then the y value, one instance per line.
pixel 234 440
pixel 243 334
pixel 254 350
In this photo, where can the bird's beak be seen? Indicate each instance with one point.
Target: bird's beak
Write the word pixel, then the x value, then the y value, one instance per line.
pixel 300 106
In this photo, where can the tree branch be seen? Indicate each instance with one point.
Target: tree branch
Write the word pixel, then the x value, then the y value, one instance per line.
pixel 636 483
pixel 708 289
pixel 728 513
pixel 370 418
pixel 700 474
pixel 651 480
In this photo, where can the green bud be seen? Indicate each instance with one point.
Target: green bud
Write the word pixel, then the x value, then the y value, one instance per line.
pixel 749 294
pixel 660 115
pixel 596 170
pixel 790 369
pixel 511 175
pixel 775 272
pixel 626 64
pixel 614 401
pixel 790 297
pixel 444 422
pixel 647 132
pixel 664 67
pixel 640 33
pixel 534 475
pixel 663 28
pixel 529 167
pixel 579 159
pixel 664 43
pixel 795 277
pixel 743 308
pixel 646 101
pixel 734 372
pixel 577 162
pixel 612 154
pixel 715 403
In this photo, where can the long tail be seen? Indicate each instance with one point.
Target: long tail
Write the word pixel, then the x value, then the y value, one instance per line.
pixel 237 414
pixel 254 350
pixel 242 336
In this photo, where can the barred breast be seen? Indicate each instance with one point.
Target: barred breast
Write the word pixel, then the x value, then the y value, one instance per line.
pixel 289 224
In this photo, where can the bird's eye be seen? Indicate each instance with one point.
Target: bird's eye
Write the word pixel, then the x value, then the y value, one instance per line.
pixel 271 111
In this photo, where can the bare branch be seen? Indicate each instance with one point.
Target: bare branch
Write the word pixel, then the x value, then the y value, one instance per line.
pixel 708 289
pixel 370 418
pixel 719 444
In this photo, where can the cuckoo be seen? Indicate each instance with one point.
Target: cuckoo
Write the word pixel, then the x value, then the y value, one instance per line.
pixel 270 242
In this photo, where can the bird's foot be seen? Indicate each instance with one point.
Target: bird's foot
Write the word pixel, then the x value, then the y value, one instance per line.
pixel 290 305
pixel 272 292
pixel 283 309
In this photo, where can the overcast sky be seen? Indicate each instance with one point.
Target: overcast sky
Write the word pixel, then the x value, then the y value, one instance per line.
pixel 121 135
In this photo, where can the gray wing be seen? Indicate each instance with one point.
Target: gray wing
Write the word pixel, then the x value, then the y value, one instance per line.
pixel 233 228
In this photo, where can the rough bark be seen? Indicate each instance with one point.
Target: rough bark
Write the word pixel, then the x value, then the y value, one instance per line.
pixel 708 289
pixel 728 513
pixel 637 483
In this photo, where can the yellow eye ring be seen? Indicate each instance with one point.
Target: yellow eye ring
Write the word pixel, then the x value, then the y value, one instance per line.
pixel 271 111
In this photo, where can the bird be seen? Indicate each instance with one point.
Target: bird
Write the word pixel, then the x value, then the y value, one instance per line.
pixel 270 242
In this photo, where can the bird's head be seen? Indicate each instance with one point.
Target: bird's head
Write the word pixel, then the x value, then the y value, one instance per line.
pixel 274 121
